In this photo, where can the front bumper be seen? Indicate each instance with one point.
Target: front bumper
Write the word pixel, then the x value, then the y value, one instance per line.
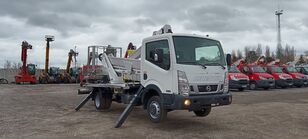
pixel 198 102
pixel 233 84
pixel 284 83
pixel 299 82
pixel 265 83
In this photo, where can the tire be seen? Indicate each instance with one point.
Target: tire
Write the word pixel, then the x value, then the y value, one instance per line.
pixel 241 89
pixel 3 81
pixel 102 101
pixel 253 86
pixel 155 110
pixel 204 112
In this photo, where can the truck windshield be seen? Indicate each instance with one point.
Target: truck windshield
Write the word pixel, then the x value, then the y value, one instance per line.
pixel 198 51
pixel 276 69
pixel 291 69
pixel 306 69
pixel 234 69
pixel 258 69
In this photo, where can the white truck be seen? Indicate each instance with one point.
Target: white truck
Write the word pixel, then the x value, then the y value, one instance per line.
pixel 168 72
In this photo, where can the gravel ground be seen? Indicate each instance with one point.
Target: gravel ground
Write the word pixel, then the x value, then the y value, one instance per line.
pixel 47 111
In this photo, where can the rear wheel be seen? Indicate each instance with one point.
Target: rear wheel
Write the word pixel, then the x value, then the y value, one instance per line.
pixel 102 101
pixel 155 110
pixel 203 112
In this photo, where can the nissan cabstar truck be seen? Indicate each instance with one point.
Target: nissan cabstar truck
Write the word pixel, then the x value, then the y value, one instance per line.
pixel 168 72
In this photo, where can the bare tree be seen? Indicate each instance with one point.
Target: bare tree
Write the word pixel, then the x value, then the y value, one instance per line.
pixel 7 64
pixel 259 50
pixel 306 53
pixel 239 54
pixel 233 55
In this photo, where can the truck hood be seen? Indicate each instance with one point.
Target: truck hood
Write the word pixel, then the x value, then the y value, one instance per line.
pixel 265 75
pixel 238 75
pixel 294 75
pixel 283 75
pixel 196 74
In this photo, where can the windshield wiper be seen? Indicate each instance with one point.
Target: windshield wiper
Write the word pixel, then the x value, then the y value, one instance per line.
pixel 195 63
pixel 222 66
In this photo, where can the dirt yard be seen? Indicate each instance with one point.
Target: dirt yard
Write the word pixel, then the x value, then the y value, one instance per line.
pixel 47 111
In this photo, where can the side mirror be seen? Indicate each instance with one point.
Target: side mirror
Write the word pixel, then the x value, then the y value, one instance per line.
pixel 157 55
pixel 228 59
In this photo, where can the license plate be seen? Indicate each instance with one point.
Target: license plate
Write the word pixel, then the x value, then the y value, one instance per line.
pixel 244 86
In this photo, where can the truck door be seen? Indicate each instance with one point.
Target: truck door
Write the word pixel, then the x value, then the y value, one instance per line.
pixel 155 72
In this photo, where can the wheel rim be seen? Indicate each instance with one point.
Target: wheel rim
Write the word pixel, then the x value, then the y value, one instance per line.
pixel 97 101
pixel 252 86
pixel 154 109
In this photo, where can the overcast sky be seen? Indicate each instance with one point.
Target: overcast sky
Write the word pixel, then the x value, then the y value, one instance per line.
pixel 236 23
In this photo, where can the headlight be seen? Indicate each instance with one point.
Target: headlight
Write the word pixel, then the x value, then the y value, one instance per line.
pixel 262 78
pixel 183 83
pixel 226 83
pixel 281 77
pixel 299 77
pixel 233 78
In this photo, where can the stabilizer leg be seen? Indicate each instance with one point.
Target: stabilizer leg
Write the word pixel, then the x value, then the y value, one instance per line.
pixel 129 108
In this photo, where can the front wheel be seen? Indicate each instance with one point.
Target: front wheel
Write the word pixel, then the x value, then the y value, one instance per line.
pixel 155 110
pixel 203 112
pixel 253 86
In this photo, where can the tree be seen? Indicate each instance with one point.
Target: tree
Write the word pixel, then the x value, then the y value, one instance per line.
pixel 7 64
pixel 259 50
pixel 16 65
pixel 306 53
pixel 301 60
pixel 239 54
pixel 279 53
pixel 233 55
pixel 246 50
pixel 268 56
pixel 251 57
pixel 267 51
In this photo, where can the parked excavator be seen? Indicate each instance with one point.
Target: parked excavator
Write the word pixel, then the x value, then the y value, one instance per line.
pixel 71 75
pixel 27 71
pixel 51 75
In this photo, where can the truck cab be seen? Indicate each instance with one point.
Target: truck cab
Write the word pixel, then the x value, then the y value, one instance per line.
pixel 282 79
pixel 257 76
pixel 302 70
pixel 176 72
pixel 299 79
pixel 237 80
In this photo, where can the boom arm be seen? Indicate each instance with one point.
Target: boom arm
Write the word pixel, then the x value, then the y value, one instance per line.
pixel 69 60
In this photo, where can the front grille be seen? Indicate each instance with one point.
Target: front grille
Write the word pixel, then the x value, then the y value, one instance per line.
pixel 289 80
pixel 243 81
pixel 207 88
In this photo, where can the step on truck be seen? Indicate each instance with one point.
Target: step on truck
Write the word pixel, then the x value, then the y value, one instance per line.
pixel 168 72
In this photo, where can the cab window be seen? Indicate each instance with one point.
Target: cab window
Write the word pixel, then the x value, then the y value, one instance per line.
pixel 164 46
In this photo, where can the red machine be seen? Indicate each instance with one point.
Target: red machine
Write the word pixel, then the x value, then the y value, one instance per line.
pixel 299 79
pixel 27 72
pixel 258 78
pixel 282 79
pixel 237 80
